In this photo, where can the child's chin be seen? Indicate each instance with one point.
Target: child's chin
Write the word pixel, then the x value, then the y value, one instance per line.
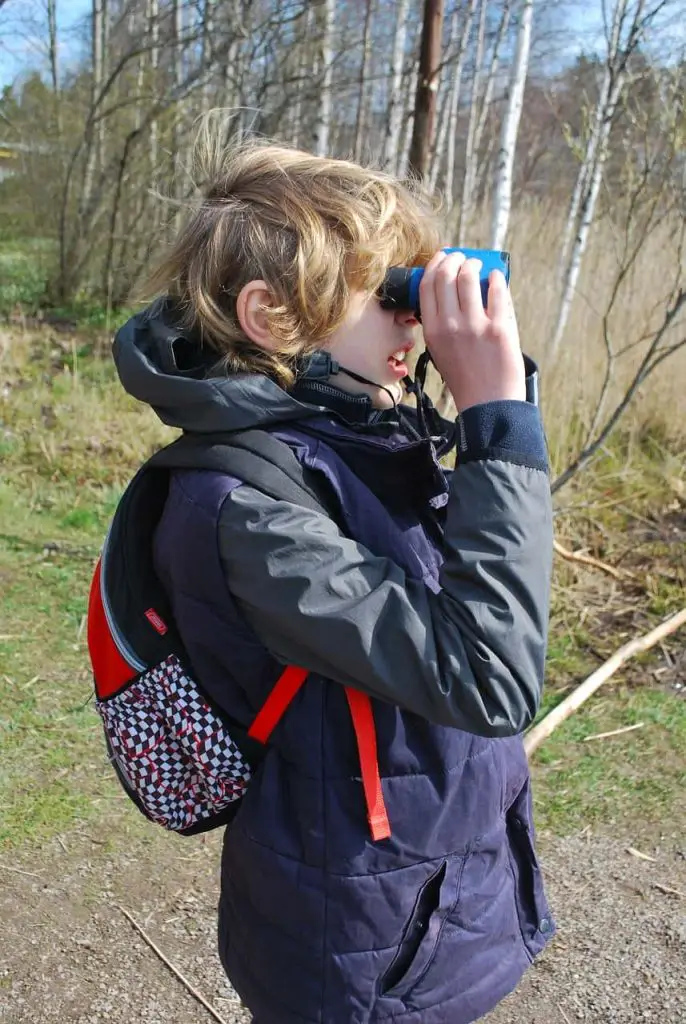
pixel 382 398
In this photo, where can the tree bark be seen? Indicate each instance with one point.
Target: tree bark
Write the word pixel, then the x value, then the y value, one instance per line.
pixel 427 88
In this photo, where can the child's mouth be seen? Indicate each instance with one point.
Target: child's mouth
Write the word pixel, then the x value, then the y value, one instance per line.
pixel 397 363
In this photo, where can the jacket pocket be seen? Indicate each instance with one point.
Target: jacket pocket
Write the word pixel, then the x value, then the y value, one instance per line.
pixel 419 940
pixel 535 922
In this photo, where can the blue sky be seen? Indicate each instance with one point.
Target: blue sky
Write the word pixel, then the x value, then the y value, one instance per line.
pixel 23 30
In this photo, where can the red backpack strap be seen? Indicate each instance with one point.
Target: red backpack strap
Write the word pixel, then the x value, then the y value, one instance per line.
pixel 365 734
pixel 271 712
pixel 273 709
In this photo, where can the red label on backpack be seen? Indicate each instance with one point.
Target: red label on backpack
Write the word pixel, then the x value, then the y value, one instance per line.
pixel 156 622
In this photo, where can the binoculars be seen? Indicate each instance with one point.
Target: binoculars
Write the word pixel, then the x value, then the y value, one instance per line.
pixel 400 288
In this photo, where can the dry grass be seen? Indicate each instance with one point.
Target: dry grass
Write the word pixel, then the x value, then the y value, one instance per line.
pixel 571 384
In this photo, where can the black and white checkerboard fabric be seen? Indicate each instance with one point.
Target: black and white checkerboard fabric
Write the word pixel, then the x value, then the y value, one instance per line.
pixel 172 748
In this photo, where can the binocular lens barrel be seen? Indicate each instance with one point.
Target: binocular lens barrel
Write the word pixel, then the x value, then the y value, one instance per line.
pixel 400 288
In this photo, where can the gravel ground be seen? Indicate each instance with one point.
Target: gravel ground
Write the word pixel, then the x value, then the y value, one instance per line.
pixel 69 954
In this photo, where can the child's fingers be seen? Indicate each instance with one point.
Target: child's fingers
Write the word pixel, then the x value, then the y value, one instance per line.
pixel 469 291
pixel 428 297
pixel 446 289
pixel 499 305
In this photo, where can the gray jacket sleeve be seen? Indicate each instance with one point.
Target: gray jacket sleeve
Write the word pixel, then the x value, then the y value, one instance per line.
pixel 471 656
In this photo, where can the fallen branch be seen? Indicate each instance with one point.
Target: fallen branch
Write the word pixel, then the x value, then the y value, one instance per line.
pixel 669 891
pixel 177 973
pixel 613 732
pixel 641 856
pixel 577 556
pixel 540 732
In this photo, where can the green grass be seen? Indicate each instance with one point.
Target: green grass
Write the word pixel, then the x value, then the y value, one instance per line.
pixel 69 441
pixel 25 269
pixel 23 274
pixel 615 782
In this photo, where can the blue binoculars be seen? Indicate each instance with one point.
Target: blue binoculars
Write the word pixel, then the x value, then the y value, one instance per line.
pixel 400 288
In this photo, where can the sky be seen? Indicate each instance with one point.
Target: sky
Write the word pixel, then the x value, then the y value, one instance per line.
pixel 23 30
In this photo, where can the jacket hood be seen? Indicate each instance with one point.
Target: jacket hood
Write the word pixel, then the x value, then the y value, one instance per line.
pixel 161 364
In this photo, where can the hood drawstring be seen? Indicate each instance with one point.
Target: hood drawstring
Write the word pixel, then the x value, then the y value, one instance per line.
pixel 320 366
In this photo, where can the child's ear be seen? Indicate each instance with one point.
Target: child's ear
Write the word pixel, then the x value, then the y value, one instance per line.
pixel 252 299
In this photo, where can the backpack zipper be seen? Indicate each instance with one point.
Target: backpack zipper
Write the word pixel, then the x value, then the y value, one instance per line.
pixel 120 643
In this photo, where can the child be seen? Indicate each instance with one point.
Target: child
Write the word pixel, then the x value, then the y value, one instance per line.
pixel 344 901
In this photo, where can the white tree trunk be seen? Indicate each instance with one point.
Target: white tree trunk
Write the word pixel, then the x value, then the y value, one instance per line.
pixel 153 15
pixel 470 149
pixel 394 116
pixel 96 88
pixel 589 159
pixel 590 176
pixel 502 202
pixel 449 186
pixel 302 63
pixel 322 126
pixel 408 110
pixel 206 58
pixel 456 56
pixel 52 42
pixel 53 55
pixel 179 112
pixel 104 53
pixel 364 75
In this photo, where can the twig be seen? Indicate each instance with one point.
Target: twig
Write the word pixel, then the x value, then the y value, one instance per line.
pixel 540 732
pixel 641 856
pixel 613 732
pixel 577 556
pixel 20 871
pixel 177 973
pixel 564 1015
pixel 669 890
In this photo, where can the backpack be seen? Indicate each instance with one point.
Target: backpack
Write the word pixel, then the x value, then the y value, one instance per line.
pixel 179 757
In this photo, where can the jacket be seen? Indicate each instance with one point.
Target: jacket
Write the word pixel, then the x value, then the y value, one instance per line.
pixel 424 590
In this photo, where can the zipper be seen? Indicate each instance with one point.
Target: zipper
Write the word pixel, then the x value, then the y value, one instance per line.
pixel 127 652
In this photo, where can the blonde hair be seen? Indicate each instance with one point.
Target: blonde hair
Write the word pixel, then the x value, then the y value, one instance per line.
pixel 314 229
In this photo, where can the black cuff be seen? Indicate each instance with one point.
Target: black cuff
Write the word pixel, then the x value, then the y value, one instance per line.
pixel 507 430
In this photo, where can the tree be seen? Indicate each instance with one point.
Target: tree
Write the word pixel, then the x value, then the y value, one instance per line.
pixel 427 87
pixel 502 201
pixel 630 20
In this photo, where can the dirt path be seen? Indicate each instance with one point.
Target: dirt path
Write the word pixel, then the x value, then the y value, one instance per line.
pixel 68 953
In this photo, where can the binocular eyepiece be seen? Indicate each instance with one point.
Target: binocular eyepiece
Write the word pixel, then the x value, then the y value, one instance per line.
pixel 400 288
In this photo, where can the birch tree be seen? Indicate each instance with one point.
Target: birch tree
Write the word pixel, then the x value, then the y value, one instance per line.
pixel 653 204
pixel 390 157
pixel 629 24
pixel 448 128
pixel 362 83
pixel 479 108
pixel 502 202
pixel 322 125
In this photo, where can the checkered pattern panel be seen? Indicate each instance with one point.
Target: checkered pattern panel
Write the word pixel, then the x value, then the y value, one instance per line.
pixel 173 749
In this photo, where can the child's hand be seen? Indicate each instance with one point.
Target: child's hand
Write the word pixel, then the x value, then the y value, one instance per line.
pixel 476 350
